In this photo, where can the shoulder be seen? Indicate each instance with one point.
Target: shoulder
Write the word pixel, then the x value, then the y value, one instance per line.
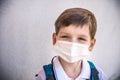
pixel 41 75
pixel 102 75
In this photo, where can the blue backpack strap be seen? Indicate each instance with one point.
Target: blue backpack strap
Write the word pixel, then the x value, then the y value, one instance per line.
pixel 49 72
pixel 94 73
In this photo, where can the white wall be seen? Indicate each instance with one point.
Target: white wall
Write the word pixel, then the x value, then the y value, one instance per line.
pixel 26 28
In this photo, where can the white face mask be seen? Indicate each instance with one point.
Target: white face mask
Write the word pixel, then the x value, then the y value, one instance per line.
pixel 71 52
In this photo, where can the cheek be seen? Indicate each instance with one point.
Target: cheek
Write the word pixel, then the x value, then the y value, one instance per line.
pixel 91 46
pixel 89 41
pixel 58 38
pixel 85 42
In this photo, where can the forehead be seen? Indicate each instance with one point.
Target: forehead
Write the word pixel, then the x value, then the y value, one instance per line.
pixel 75 30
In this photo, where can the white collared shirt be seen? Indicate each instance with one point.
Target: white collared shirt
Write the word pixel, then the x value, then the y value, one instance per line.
pixel 61 75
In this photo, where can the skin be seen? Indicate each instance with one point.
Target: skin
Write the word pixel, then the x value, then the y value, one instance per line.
pixel 78 34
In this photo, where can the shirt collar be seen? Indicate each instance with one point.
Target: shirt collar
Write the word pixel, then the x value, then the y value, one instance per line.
pixel 85 73
pixel 59 71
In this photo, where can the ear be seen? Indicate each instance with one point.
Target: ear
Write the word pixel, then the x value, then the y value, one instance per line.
pixel 93 41
pixel 54 38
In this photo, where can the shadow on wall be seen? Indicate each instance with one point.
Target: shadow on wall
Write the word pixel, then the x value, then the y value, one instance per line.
pixel 118 78
pixel 4 75
pixel 2 2
pixel 115 77
pixel 118 3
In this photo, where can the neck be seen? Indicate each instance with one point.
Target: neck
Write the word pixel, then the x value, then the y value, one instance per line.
pixel 73 70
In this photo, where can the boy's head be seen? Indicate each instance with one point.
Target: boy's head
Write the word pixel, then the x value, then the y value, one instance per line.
pixel 76 25
pixel 77 16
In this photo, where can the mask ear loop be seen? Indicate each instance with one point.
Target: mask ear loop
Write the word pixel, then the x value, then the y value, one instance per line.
pixel 53 59
pixel 53 67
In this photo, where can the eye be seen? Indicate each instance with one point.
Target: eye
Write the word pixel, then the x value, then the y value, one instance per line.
pixel 83 39
pixel 64 36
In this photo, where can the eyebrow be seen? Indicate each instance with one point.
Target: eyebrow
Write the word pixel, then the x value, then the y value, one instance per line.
pixel 64 33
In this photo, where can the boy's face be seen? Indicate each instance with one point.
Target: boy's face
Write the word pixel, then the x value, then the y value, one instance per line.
pixel 74 33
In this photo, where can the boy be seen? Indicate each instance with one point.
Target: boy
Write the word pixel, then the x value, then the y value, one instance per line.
pixel 73 41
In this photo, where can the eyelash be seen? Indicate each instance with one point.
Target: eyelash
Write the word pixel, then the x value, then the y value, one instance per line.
pixel 64 36
pixel 82 39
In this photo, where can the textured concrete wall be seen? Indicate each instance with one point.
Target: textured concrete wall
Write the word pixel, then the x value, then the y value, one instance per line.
pixel 26 27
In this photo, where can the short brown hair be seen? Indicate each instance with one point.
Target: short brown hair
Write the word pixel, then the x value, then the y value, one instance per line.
pixel 77 16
